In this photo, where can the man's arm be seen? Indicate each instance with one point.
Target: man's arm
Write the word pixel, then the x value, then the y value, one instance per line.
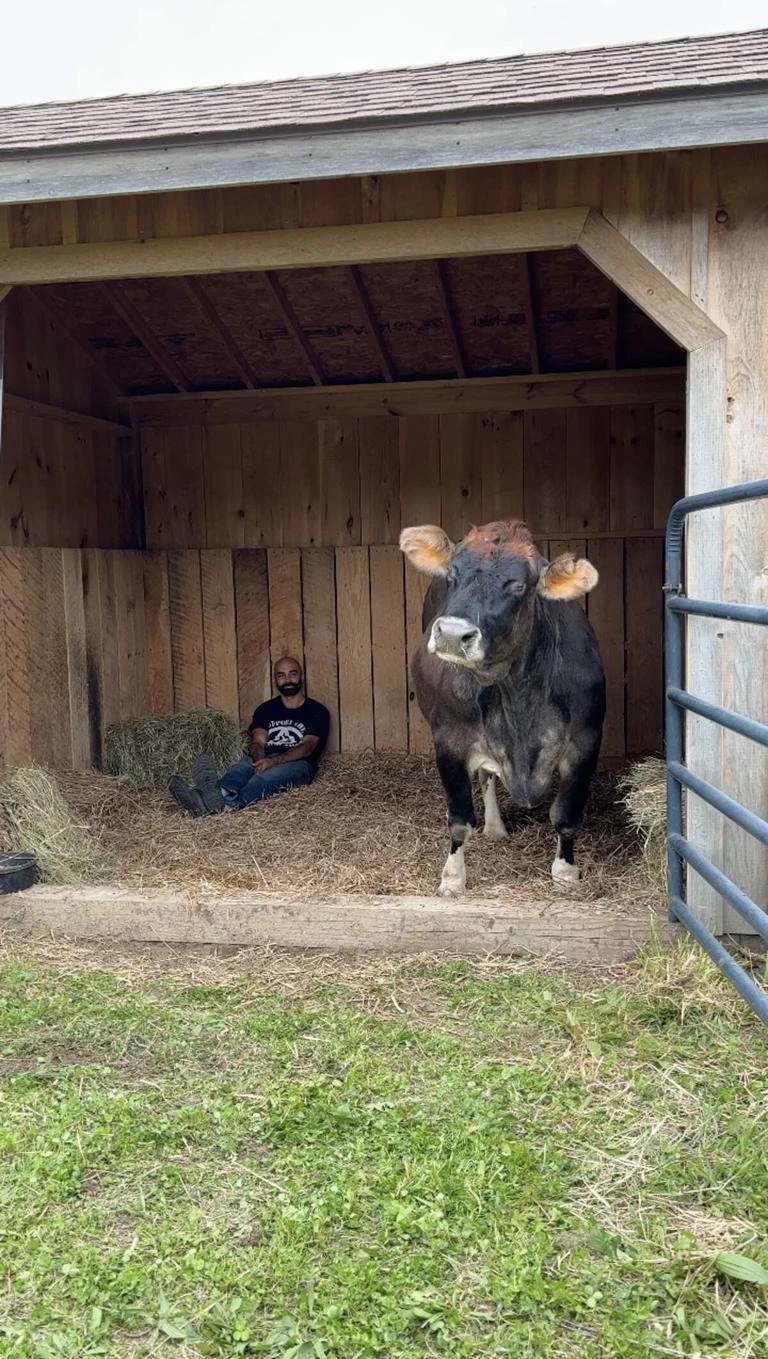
pixel 300 752
pixel 258 743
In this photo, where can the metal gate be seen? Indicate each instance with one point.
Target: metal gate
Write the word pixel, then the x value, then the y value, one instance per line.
pixel 677 607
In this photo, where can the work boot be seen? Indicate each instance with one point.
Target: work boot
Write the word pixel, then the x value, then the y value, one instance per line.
pixel 189 799
pixel 205 779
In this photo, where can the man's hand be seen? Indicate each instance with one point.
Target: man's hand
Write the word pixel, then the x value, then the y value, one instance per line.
pixel 261 766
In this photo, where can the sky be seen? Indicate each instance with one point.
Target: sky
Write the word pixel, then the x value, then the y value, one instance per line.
pixel 79 49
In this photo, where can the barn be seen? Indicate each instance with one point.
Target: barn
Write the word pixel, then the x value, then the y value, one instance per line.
pixel 250 333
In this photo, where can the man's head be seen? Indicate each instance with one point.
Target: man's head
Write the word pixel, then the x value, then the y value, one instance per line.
pixel 289 680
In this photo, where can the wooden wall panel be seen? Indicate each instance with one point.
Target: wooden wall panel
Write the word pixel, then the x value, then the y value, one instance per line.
pixel 285 607
pixel 218 603
pixel 353 603
pixel 187 647
pixel 14 639
pixel 321 649
pixel 644 621
pixel 77 658
pixel 254 667
pixel 605 610
pixel 390 677
pixel 379 479
pixel 157 623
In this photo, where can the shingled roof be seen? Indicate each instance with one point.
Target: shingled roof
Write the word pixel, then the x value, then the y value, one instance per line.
pixel 732 61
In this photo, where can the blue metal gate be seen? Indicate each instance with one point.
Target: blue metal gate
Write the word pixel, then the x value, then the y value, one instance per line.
pixel 678 703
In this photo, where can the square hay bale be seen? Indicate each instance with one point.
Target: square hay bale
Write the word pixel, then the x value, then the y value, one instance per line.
pixel 147 751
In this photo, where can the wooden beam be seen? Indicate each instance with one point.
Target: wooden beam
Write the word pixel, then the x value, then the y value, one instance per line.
pixel 60 319
pixel 196 290
pixel 300 248
pixel 369 321
pixel 654 293
pixel 530 392
pixel 5 289
pixel 144 332
pixel 530 313
pixel 45 411
pixel 291 323
pixel 449 319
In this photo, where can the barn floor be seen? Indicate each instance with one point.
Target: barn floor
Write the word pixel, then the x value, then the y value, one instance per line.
pixel 369 825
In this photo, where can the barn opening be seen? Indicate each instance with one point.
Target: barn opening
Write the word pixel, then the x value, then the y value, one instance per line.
pixel 202 473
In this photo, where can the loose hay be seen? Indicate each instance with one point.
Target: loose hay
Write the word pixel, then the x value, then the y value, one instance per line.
pixel 149 750
pixel 368 825
pixel 36 818
pixel 645 798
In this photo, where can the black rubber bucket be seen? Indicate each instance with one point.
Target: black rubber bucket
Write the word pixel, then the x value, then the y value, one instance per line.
pixel 17 872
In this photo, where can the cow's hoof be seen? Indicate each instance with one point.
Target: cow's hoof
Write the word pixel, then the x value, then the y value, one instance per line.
pixel 495 833
pixel 565 872
pixel 451 890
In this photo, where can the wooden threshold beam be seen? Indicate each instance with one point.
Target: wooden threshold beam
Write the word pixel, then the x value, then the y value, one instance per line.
pixel 530 313
pixel 196 290
pixel 291 323
pixel 369 321
pixel 60 319
pixel 296 248
pixel 449 318
pixel 144 332
pixel 44 410
pixel 528 392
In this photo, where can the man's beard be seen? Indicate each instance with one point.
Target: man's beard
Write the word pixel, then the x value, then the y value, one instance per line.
pixel 289 690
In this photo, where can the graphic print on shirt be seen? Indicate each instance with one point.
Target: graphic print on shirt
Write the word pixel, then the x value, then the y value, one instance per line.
pixel 286 735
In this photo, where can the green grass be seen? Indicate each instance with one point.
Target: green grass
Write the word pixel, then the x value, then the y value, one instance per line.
pixel 390 1160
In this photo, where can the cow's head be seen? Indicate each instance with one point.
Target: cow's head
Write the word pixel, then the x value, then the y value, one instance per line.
pixel 492 577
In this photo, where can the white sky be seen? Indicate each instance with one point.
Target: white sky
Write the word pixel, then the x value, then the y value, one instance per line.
pixel 75 49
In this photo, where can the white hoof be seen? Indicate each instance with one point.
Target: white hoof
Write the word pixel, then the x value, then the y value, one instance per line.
pixel 565 872
pixel 495 832
pixel 452 890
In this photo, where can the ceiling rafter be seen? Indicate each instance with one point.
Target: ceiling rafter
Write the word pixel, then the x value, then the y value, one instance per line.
pixel 449 318
pixel 369 321
pixel 60 319
pixel 291 323
pixel 195 288
pixel 144 332
pixel 530 312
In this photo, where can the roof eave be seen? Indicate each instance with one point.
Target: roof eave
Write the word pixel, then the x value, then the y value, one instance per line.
pixel 567 129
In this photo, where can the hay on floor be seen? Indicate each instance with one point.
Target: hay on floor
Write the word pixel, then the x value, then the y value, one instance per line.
pixel 369 824
pixel 645 798
pixel 147 751
pixel 36 818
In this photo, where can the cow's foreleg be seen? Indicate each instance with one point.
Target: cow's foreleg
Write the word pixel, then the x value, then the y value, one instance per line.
pixel 567 811
pixel 493 826
pixel 461 821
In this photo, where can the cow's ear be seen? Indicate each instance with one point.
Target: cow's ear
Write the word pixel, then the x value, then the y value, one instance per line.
pixel 427 548
pixel 567 577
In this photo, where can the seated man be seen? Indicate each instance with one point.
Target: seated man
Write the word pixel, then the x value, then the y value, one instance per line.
pixel 287 735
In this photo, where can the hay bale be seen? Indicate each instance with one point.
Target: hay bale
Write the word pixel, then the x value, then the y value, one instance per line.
pixel 147 751
pixel 645 798
pixel 38 819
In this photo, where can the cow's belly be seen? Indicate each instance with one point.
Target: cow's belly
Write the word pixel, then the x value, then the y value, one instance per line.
pixel 526 768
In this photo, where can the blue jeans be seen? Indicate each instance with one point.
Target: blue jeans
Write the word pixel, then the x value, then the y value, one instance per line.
pixel 240 786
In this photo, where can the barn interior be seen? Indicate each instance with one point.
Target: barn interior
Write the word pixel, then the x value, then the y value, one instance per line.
pixel 200 474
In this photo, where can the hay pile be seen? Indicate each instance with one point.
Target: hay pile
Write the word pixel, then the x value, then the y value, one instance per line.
pixel 34 816
pixel 645 798
pixel 147 751
pixel 370 824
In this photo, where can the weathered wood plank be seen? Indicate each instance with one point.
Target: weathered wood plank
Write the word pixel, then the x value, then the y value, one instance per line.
pixel 605 610
pixel 218 595
pixel 460 475
pixel 390 678
pixel 157 622
pixel 644 621
pixel 668 460
pixel 379 479
pixel 300 471
pixel 338 452
pixel 544 471
pixel 353 611
pixel 186 610
pixel 632 467
pixel 131 639
pixel 254 669
pixel 318 583
pixel 77 658
pixel 223 481
pixel 587 461
pixel 285 605
pixel 499 444
pixel 15 643
pixel 263 487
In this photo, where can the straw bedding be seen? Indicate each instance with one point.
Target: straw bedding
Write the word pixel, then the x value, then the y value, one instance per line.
pixel 644 791
pixel 370 824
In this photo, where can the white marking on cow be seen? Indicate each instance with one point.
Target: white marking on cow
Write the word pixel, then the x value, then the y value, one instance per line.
pixel 481 759
pixel 453 882
pixel 565 873
pixel 493 827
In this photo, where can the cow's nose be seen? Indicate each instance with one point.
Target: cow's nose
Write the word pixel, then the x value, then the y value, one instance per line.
pixel 456 637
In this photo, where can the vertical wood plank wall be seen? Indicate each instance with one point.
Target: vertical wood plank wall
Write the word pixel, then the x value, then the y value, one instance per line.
pixel 91 636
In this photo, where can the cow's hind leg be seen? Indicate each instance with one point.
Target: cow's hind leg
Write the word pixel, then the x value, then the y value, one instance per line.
pixel 461 822
pixel 493 826
pixel 567 811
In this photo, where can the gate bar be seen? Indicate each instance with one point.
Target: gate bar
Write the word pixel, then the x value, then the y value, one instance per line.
pixel 745 906
pixel 704 608
pixel 754 995
pixel 752 824
pixel 743 726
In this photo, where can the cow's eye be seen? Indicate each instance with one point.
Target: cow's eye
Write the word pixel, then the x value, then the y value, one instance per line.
pixel 516 587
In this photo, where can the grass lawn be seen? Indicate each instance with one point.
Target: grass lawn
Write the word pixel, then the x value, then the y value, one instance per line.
pixel 303 1156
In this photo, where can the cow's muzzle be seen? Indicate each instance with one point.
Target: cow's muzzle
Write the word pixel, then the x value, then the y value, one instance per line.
pixel 457 640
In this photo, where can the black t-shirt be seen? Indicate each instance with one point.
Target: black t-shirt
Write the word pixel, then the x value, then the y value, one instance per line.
pixel 287 727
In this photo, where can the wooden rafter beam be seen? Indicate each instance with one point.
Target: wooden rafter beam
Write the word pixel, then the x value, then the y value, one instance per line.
pixel 449 318
pixel 530 313
pixel 144 332
pixel 5 289
pixel 369 321
pixel 197 291
pixel 62 322
pixel 291 323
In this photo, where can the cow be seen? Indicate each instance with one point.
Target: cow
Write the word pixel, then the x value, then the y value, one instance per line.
pixel 508 675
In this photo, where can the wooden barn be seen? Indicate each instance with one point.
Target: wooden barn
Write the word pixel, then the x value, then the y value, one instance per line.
pixel 250 333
